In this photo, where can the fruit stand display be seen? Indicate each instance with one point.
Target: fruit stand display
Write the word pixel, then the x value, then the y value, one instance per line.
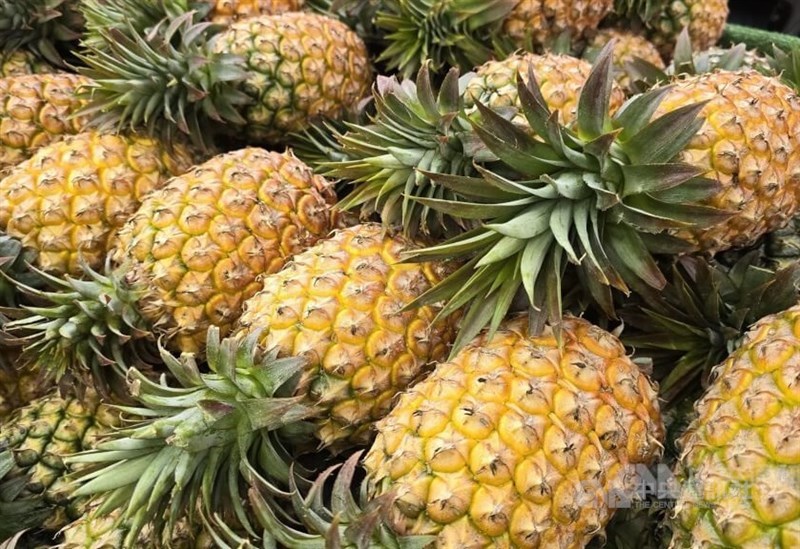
pixel 398 273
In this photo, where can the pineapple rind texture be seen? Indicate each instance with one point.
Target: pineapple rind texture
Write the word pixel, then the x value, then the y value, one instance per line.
pixel 705 20
pixel 66 201
pixel 545 20
pixel 560 77
pixel 299 65
pixel 198 245
pixel 514 443
pixel 36 110
pixel 750 143
pixel 40 435
pixel 21 63
pixel 628 47
pixel 225 12
pixel 740 460
pixel 340 305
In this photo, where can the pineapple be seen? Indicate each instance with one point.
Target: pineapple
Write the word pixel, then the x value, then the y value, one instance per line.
pixel 740 460
pixel 225 12
pixel 34 491
pixel 663 20
pixel 628 47
pixel 751 149
pixel 187 258
pixel 542 21
pixel 706 164
pixel 461 33
pixel 560 78
pixel 18 386
pixel 782 247
pixel 518 441
pixel 66 201
pixel 264 76
pixel 45 27
pixel 22 62
pixel 36 110
pixel 336 312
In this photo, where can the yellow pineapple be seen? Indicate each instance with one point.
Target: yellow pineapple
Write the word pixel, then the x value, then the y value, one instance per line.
pixel 225 12
pixel 261 77
pixel 628 47
pixel 22 62
pixel 544 20
pixel 36 110
pixel 740 460
pixel 751 148
pixel 560 77
pixel 188 257
pixel 340 304
pixel 66 201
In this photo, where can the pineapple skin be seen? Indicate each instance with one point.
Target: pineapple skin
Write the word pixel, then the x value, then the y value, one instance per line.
pixel 740 460
pixel 300 65
pixel 750 144
pixel 339 304
pixel 560 77
pixel 18 387
pixel 515 444
pixel 198 245
pixel 39 436
pixel 21 63
pixel 629 46
pixel 545 20
pixel 226 12
pixel 66 201
pixel 35 111
pixel 705 19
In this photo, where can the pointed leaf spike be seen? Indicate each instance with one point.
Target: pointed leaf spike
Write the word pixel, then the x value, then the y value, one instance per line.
pixel 595 97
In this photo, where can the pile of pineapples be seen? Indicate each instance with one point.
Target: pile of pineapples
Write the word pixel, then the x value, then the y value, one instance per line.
pixel 398 273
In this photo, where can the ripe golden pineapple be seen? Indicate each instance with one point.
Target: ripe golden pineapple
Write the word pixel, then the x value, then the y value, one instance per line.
pixel 544 20
pixel 517 442
pixel 36 110
pixel 750 144
pixel 225 12
pixel 339 305
pixel 198 246
pixel 560 77
pixel 34 490
pixel 265 76
pixel 66 201
pixel 187 259
pixel 628 47
pixel 740 460
pixel 22 62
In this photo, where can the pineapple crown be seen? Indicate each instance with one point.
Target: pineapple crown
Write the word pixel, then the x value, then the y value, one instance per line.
pixel 169 74
pixel 39 25
pixel 122 15
pixel 599 195
pixel 453 32
pixel 341 520
pixel 188 449
pixel 84 333
pixel 701 315
pixel 416 129
pixel 639 10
